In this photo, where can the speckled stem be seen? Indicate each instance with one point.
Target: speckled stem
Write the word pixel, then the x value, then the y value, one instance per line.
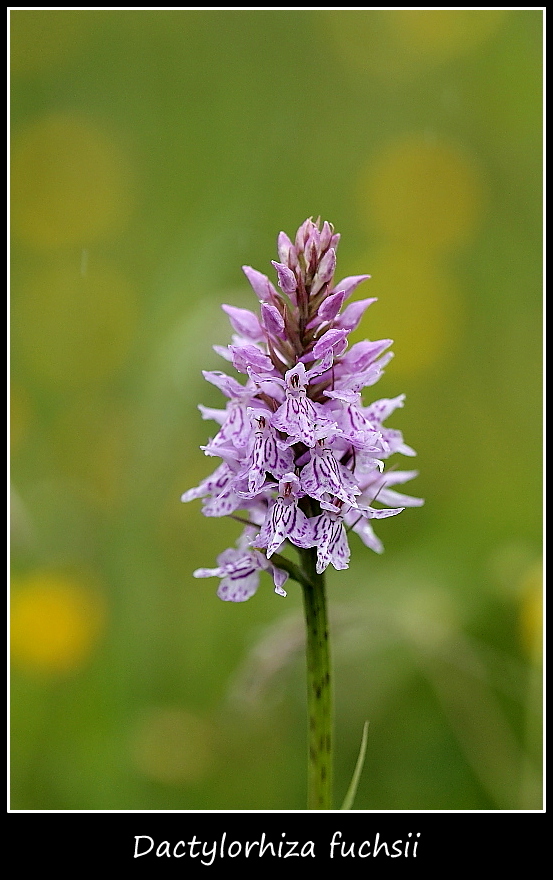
pixel 319 691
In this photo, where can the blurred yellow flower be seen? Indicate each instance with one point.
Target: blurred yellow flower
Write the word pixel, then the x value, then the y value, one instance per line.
pixel 434 35
pixel 56 621
pixel 531 611
pixel 422 192
pixel 396 44
pixel 420 300
pixel 44 38
pixel 70 185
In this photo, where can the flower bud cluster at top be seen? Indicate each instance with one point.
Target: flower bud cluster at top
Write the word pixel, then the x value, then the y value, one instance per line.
pixel 301 453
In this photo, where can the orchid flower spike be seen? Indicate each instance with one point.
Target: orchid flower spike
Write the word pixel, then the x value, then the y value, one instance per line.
pixel 303 458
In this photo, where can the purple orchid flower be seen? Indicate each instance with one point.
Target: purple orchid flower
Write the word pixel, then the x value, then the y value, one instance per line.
pixel 301 453
pixel 285 519
pixel 265 455
pixel 239 571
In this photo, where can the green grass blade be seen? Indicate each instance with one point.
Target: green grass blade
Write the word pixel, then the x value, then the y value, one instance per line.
pixel 352 790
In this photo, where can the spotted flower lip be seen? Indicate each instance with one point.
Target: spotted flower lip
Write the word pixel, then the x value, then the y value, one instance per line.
pixel 285 520
pixel 239 571
pixel 302 456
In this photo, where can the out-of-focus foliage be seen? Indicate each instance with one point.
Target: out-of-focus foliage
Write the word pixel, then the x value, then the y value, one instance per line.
pixel 154 153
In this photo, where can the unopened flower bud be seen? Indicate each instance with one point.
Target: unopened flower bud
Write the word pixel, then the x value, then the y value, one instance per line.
pixel 326 236
pixel 285 249
pixel 325 271
pixel 330 307
pixel 272 320
pixel 262 287
pixel 286 278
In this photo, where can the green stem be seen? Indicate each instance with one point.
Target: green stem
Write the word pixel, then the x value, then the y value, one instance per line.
pixel 319 691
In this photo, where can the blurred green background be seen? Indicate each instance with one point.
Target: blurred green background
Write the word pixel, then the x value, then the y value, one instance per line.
pixel 154 153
